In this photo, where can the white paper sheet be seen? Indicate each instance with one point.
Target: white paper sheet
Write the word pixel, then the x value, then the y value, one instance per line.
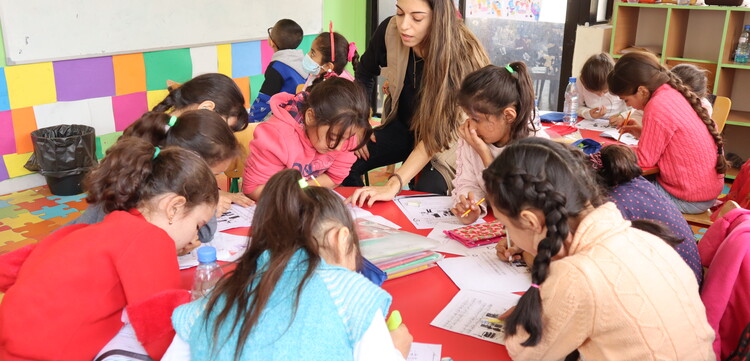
pixel 237 216
pixel 595 124
pixel 383 221
pixel 424 352
pixel 485 272
pixel 449 245
pixel 475 314
pixel 229 248
pixel 427 211
pixel 355 211
pixel 626 138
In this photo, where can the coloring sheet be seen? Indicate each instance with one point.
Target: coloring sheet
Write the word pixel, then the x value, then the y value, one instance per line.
pixel 424 352
pixel 236 217
pixel 427 211
pixel 229 248
pixel 595 124
pixel 485 272
pixel 476 314
pixel 626 138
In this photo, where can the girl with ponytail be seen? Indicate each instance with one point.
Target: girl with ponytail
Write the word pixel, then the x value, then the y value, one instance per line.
pixel 677 134
pixel 500 105
pixel 600 286
pixel 81 277
pixel 294 291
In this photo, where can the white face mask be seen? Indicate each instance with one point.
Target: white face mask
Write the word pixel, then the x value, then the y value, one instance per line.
pixel 309 65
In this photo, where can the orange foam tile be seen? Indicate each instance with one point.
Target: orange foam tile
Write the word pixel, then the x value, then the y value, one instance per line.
pixel 24 122
pixel 130 73
pixel 244 84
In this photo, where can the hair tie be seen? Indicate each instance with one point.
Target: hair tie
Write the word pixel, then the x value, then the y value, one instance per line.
pixel 157 150
pixel 352 50
pixel 302 183
pixel 333 46
pixel 510 69
pixel 535 285
pixel 172 121
pixel 330 74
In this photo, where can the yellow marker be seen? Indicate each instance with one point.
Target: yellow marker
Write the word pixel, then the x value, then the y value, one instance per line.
pixel 469 210
pixel 394 320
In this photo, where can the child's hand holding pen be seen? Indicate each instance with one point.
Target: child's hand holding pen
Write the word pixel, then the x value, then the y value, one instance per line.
pixel 630 126
pixel 506 253
pixel 467 209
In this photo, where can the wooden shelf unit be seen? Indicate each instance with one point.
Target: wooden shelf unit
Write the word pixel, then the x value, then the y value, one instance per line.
pixel 705 36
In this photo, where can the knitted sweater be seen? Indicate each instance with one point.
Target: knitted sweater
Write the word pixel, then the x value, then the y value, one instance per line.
pixel 675 139
pixel 639 199
pixel 620 294
pixel 335 308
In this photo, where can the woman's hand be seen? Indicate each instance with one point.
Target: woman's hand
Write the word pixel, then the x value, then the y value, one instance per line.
pixel 469 135
pixel 508 254
pixel 237 198
pixel 466 203
pixel 364 153
pixel 598 113
pixel 402 339
pixel 372 194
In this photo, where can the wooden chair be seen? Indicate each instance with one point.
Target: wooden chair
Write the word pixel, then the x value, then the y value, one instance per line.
pixel 722 106
pixel 237 167
pixel 706 218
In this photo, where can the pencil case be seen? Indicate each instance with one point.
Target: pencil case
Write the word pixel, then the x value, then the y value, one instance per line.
pixel 372 272
pixel 478 234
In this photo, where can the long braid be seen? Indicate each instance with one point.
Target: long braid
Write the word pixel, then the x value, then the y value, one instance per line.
pixel 695 102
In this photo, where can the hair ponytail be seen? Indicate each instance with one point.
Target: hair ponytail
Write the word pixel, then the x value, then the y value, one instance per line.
pixel 675 82
pixel 545 175
pixel 491 89
pixel 130 174
pixel 151 127
pixel 288 218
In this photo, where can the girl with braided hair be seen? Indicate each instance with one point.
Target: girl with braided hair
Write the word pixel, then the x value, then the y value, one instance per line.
pixel 677 134
pixel 600 286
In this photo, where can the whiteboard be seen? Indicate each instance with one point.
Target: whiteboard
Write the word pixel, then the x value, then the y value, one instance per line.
pixel 45 30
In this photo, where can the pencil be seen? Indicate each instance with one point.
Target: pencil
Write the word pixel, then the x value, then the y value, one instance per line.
pixel 469 210
pixel 315 180
pixel 627 120
pixel 507 239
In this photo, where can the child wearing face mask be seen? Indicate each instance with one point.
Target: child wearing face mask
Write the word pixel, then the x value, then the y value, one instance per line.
pixel 315 133
pixel 325 58
pixel 284 73
pixel 500 105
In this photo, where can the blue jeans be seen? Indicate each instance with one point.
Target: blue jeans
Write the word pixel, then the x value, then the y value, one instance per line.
pixel 683 205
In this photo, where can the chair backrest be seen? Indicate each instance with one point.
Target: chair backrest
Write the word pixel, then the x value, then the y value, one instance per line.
pixel 722 106
pixel 238 165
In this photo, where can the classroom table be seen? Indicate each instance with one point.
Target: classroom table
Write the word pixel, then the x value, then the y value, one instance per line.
pixel 419 297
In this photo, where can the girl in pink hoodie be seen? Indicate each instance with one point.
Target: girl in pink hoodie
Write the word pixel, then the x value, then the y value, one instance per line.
pixel 315 133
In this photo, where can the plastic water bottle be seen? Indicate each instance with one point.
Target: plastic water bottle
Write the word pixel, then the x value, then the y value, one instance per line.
pixel 742 53
pixel 207 273
pixel 570 110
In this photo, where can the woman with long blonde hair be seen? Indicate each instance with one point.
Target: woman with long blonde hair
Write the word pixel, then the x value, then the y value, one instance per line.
pixel 424 51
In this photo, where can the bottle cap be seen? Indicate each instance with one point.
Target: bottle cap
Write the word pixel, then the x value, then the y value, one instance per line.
pixel 572 79
pixel 747 27
pixel 206 254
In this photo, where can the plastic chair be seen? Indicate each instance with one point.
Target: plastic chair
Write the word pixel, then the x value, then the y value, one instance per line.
pixel 722 106
pixel 237 167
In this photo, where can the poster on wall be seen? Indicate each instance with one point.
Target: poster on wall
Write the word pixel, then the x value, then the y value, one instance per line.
pixel 528 10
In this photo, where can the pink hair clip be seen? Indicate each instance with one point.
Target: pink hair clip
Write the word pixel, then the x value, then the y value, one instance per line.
pixel 352 50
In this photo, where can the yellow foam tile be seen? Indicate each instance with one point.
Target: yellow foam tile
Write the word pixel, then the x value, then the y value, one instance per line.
pixel 14 163
pixel 155 97
pixel 225 59
pixel 21 219
pixel 31 84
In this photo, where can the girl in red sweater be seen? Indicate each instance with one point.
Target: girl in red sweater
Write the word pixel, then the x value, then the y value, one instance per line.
pixel 677 134
pixel 65 297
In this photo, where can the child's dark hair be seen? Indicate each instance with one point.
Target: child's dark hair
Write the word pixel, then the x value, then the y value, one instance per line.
pixel 287 219
pixel 286 34
pixel 130 175
pixel 537 173
pixel 619 165
pixel 341 45
pixel 491 89
pixel 218 88
pixel 693 77
pixel 643 69
pixel 341 105
pixel 595 70
pixel 202 131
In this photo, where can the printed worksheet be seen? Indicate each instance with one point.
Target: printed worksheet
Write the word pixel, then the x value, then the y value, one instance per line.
pixel 594 124
pixel 424 352
pixel 485 272
pixel 236 217
pixel 626 138
pixel 428 210
pixel 229 247
pixel 476 314
pixel 449 245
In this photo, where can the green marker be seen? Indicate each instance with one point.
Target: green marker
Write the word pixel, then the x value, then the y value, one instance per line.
pixel 394 320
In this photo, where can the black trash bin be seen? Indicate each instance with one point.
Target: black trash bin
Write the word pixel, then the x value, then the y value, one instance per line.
pixel 63 154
